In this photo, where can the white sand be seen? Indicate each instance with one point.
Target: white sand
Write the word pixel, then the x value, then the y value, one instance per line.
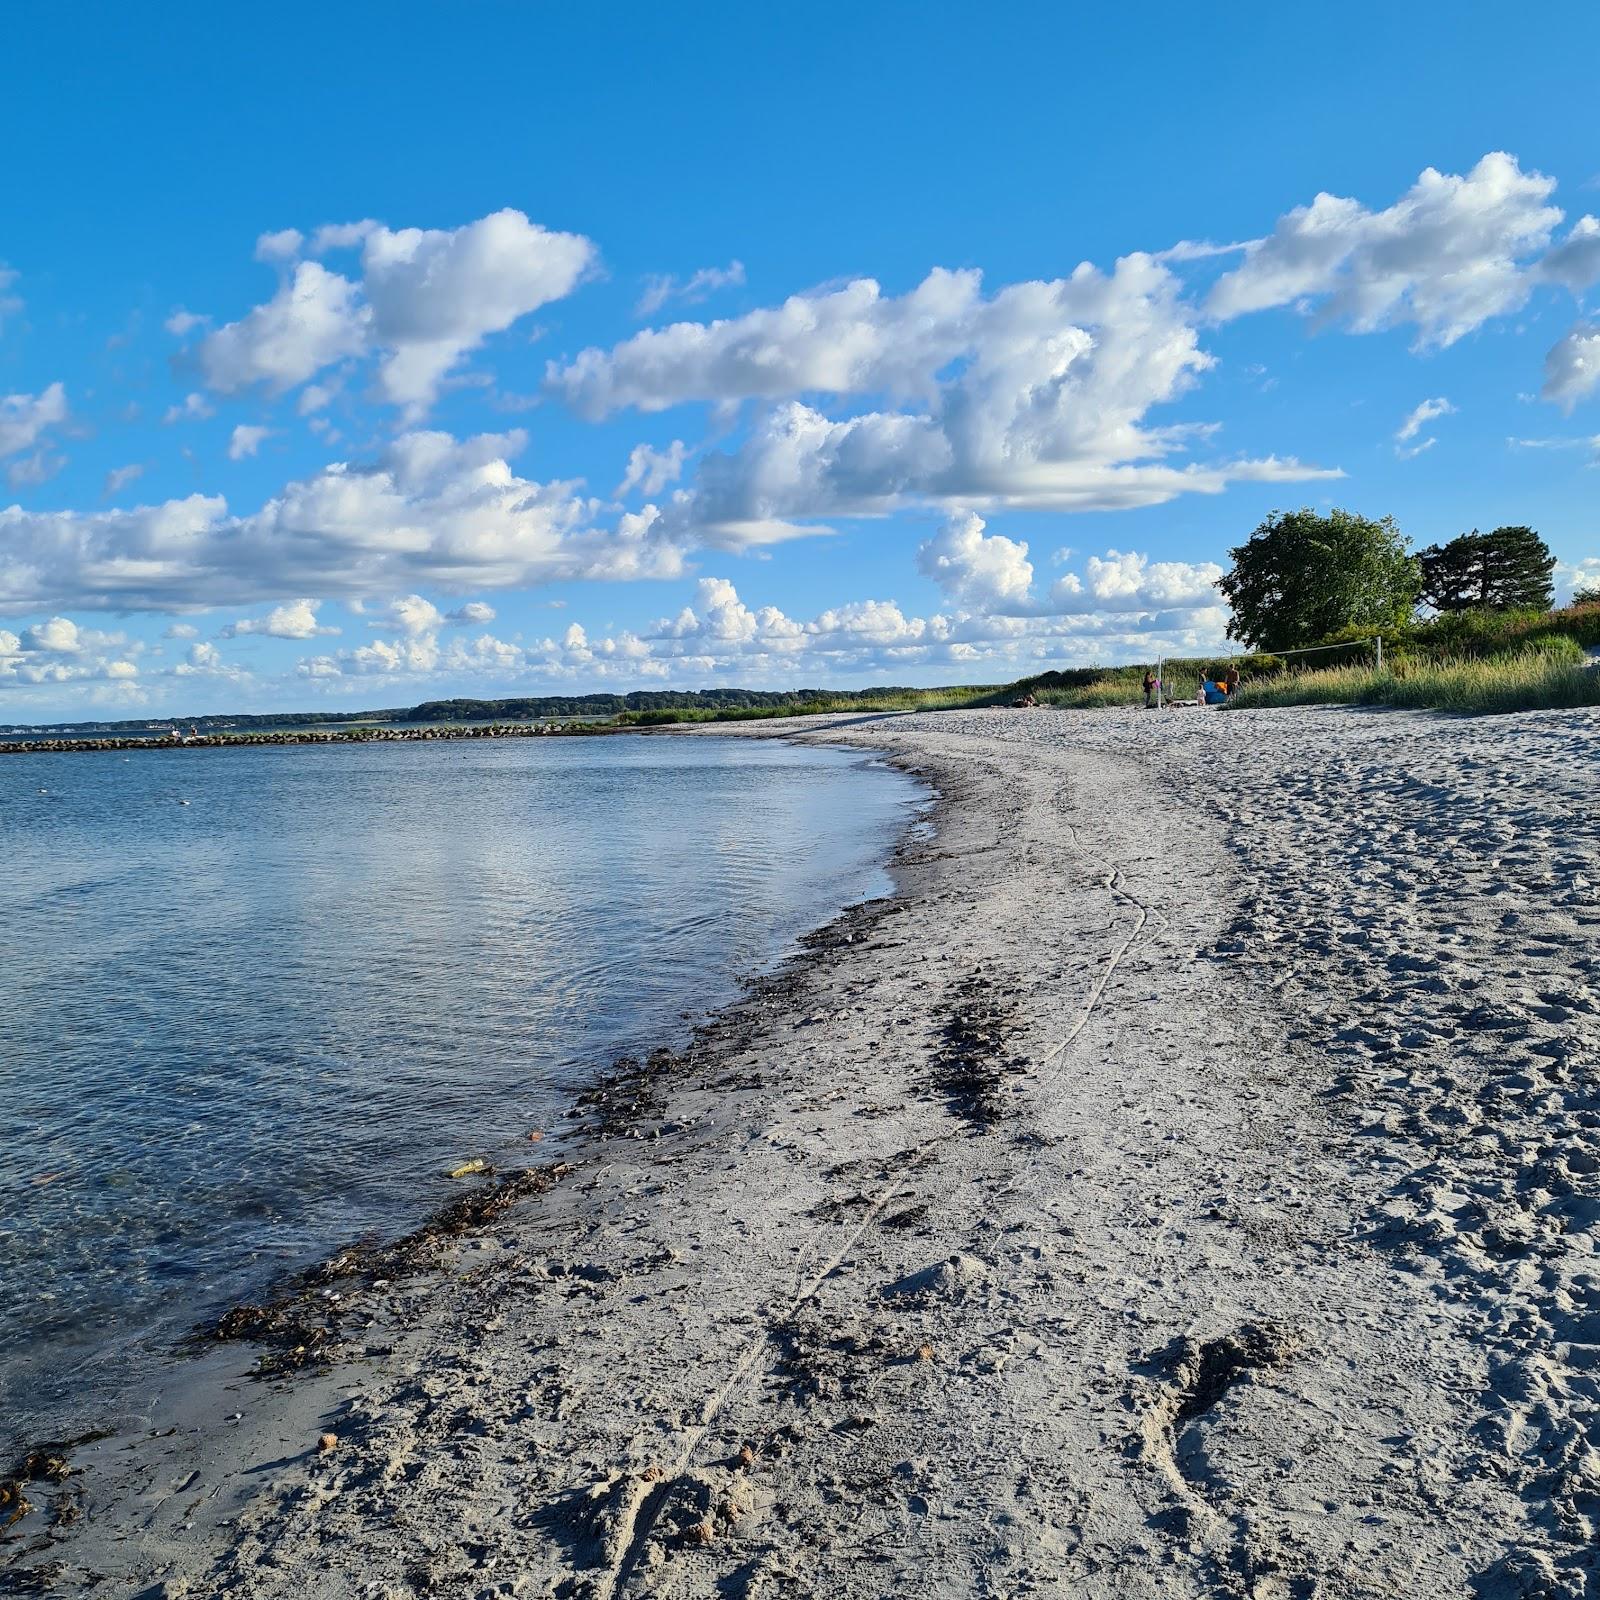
pixel 1188 1186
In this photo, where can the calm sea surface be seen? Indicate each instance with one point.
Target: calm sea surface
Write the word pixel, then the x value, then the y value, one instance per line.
pixel 238 1032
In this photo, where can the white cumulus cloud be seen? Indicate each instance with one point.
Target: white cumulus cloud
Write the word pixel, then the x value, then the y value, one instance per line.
pixel 118 478
pixel 284 245
pixel 192 408
pixel 1575 262
pixel 1452 252
pixel 296 619
pixel 315 319
pixel 1036 396
pixel 425 299
pixel 58 636
pixel 431 510
pixel 650 470
pixel 1572 368
pixel 57 654
pixel 24 418
pixel 411 615
pixel 986 572
pixel 246 440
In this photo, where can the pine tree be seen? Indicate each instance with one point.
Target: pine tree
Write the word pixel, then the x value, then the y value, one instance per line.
pixel 1449 573
pixel 1508 568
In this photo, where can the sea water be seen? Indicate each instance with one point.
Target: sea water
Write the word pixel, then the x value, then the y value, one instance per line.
pixel 254 1002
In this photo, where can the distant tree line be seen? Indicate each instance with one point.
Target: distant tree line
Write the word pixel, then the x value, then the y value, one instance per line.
pixel 536 708
pixel 608 705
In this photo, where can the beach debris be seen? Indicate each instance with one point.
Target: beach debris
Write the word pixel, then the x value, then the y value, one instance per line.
pixel 629 1094
pixel 822 1358
pixel 468 1168
pixel 746 1457
pixel 925 1352
pixel 702 1532
pixel 46 1463
pixel 535 1136
pixel 972 1067
pixel 14 1504
pixel 301 1326
pixel 44 1466
pixel 327 1442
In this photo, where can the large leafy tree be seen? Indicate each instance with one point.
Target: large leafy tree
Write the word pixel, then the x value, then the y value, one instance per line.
pixel 1302 576
pixel 1489 571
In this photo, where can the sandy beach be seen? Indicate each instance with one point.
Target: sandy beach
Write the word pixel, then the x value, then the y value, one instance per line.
pixel 1187 1183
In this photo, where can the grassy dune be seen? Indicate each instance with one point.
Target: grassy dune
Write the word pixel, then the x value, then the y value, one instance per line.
pixel 1472 662
pixel 1538 678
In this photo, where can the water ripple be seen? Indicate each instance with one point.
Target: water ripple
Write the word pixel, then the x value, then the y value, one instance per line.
pixel 243 1030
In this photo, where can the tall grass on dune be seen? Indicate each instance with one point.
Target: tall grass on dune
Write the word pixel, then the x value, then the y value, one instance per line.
pixel 1549 677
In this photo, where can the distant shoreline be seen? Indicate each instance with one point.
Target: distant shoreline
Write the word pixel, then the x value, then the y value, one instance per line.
pixel 212 741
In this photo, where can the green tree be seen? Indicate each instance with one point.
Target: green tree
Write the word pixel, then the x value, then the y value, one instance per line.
pixel 1589 595
pixel 1510 567
pixel 1302 576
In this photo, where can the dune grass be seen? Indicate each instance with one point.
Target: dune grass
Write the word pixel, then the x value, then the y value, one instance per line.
pixel 1545 677
pixel 1471 662
pixel 1088 688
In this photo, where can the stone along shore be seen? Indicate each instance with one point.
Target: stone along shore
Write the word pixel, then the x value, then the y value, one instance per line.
pixel 212 741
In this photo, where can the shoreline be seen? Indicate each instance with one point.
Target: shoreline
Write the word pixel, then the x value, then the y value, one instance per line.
pixel 1097 1211
pixel 295 1316
pixel 301 1332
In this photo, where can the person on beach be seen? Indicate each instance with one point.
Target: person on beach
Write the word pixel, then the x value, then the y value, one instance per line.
pixel 1230 679
pixel 1150 683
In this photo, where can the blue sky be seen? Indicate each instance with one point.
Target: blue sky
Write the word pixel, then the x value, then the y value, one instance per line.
pixel 351 357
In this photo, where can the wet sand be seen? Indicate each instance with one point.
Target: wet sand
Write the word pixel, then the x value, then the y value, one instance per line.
pixel 1187 1184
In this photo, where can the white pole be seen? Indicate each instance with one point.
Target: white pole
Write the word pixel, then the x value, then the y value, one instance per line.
pixel 1380 652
